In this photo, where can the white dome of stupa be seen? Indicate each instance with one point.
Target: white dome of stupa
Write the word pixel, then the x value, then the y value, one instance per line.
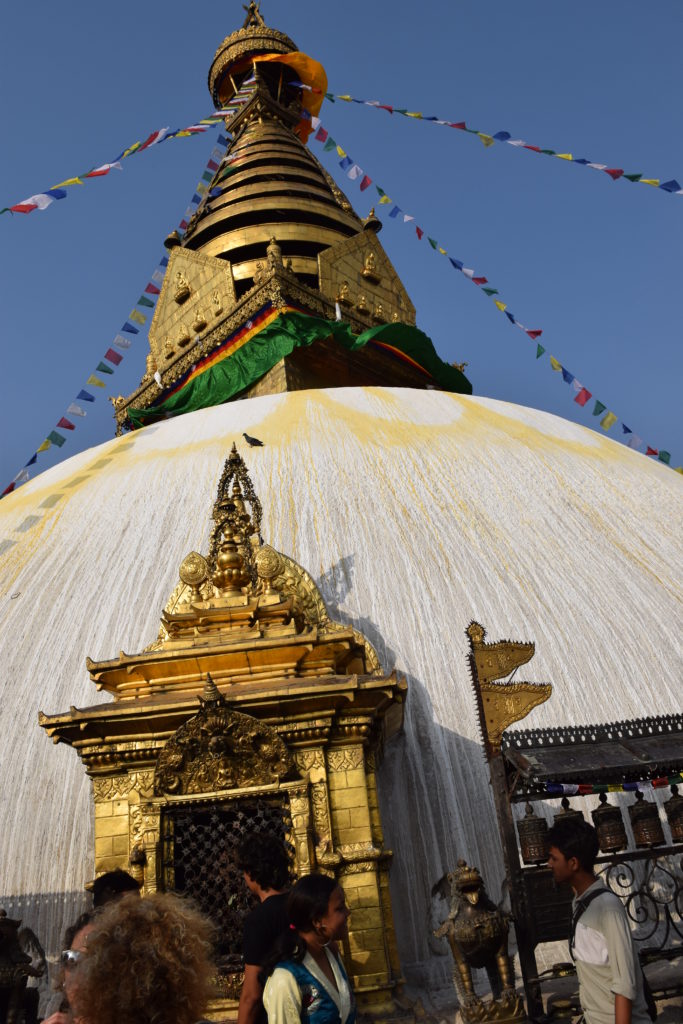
pixel 415 512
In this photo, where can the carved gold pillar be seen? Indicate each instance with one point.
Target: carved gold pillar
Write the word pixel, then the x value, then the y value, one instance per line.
pixel 368 955
pixel 300 810
pixel 111 822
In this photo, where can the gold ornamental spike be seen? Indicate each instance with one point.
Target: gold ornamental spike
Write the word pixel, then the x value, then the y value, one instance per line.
pixel 501 704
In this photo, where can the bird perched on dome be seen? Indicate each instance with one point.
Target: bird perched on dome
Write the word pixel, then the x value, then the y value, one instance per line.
pixel 253 442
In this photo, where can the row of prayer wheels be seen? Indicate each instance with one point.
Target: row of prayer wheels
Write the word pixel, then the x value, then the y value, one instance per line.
pixel 609 823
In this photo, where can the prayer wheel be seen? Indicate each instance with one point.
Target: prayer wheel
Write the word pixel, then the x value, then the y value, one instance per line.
pixel 645 822
pixel 567 813
pixel 674 814
pixel 533 837
pixel 610 826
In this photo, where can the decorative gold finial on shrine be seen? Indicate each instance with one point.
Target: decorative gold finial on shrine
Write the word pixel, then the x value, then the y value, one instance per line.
pixel 211 692
pixel 501 704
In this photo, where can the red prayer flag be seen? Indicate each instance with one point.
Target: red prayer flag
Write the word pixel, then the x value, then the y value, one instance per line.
pixel 152 289
pixel 614 172
pixel 113 356
pixel 534 334
pixel 212 165
pixel 583 396
pixel 183 225
pixel 534 149
pixel 66 424
pixel 24 207
pixel 460 124
pixel 365 182
pixel 321 134
pixel 480 280
pixel 383 107
pixel 652 451
pixel 7 490
pixel 419 231
pixel 99 172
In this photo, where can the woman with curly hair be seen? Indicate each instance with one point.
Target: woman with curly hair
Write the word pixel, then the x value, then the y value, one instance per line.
pixel 145 961
pixel 306 982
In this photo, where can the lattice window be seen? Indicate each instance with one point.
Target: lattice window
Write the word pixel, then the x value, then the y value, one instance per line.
pixel 199 853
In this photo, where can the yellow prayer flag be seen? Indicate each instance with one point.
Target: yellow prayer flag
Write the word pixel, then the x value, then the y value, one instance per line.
pixel 502 306
pixel 413 113
pixel 443 251
pixel 95 381
pixel 384 200
pixel 608 420
pixel 349 99
pixel 202 189
pixel 564 156
pixel 613 787
pixel 45 445
pixel 178 135
pixel 678 469
pixel 341 152
pixel 486 139
pixel 650 181
pixel 137 317
pixel 555 365
pixel 69 181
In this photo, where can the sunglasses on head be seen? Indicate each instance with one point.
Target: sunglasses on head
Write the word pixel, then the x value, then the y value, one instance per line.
pixel 70 957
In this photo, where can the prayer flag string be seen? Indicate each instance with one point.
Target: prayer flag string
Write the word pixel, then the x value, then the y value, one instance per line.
pixel 489 138
pixel 588 788
pixel 136 321
pixel 42 200
pixel 582 394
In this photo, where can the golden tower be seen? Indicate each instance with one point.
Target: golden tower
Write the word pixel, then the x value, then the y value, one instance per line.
pixel 273 234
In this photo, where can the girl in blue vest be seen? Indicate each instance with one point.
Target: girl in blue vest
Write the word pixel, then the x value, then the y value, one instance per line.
pixel 305 982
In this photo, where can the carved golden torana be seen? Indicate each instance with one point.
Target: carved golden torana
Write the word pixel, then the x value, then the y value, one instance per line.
pixel 250 697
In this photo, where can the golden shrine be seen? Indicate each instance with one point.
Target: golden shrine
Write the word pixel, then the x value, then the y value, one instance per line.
pixel 251 710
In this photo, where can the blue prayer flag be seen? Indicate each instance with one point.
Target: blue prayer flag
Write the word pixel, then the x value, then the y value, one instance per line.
pixel 456 263
pixel 502 136
pixel 671 186
pixel 627 430
pixel 346 162
pixel 509 316
pixel 32 460
pixel 84 396
pixel 129 329
pixel 567 377
pixel 394 212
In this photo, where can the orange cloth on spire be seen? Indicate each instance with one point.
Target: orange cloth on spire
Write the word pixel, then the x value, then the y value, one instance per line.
pixel 310 72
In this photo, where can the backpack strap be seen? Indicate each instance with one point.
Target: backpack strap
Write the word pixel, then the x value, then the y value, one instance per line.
pixel 582 904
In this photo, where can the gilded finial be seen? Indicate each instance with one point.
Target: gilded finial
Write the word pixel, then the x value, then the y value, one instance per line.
pixel 211 692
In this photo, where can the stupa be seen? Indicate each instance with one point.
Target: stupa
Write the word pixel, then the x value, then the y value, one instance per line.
pixel 410 506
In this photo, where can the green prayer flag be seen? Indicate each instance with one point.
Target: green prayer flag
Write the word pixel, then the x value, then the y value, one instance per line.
pixel 144 301
pixel 329 145
pixel 598 408
pixel 103 368
pixel 549 152
pixel 56 438
pixel 539 351
pixel 490 291
pixel 431 241
pixel 207 176
pixel 229 376
pixel 633 177
pixel 664 456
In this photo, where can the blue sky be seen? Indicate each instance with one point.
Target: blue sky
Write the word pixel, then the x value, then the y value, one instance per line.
pixel 594 263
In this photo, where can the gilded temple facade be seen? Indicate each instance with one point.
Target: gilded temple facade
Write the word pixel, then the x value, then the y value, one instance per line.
pixel 252 710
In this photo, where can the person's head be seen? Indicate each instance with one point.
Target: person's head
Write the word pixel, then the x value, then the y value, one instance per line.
pixel 573 848
pixel 112 885
pixel 146 960
pixel 74 948
pixel 317 907
pixel 265 862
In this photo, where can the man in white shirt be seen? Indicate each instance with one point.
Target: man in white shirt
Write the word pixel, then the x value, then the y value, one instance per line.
pixel 607 964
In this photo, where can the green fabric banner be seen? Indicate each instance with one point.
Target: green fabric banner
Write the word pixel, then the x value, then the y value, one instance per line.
pixel 231 375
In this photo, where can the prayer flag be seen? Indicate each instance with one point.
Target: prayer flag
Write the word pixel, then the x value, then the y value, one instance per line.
pixel 321 135
pixel 144 301
pixel 222 141
pixel 385 200
pixel 69 181
pixel 75 410
pixel 567 377
pixel 340 152
pixel 564 156
pixel 354 172
pixel 22 476
pixel 614 172
pixel 33 459
pixel 634 441
pixel 608 421
pixel 539 350
pixel 152 289
pixel 442 251
pixel 202 190
pixel 583 396
pixel 468 272
pixel 122 343
pixel 489 291
pixel 103 368
pixel 345 162
pixel 534 334
pixel 157 276
pixel 112 356
pixel 163 262
pixel 407 218
pixel 65 424
pixel 498 304
pixel 212 165
pixel 330 145
pixel 207 176
pixel 664 456
pixel 129 329
pixel 502 136
pixel 650 181
pixel 44 446
pixel 510 317
pixel 394 212
pixel 95 381
pixel 433 244
pixel 555 365
pixel 651 451
pixel 8 489
pixel 137 317
pixel 456 263
pixel 56 438
pixel 419 232
pixel 365 183
pixel 84 396
pixel 480 280
pixel 486 139
pixel 598 408
pixel 670 186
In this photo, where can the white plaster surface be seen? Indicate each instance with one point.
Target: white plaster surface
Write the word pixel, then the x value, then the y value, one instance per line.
pixel 415 511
